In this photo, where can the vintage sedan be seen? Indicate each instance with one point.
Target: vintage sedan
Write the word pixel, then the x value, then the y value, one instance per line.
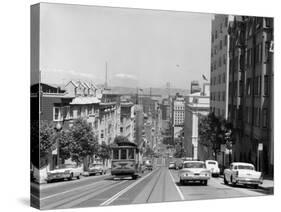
pixel 65 171
pixel 194 171
pixel 96 168
pixel 242 173
pixel 172 165
pixel 213 167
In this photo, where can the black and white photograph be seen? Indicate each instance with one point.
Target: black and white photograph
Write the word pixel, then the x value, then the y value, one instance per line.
pixel 134 106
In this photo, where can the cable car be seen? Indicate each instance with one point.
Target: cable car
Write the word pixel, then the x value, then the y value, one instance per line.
pixel 125 160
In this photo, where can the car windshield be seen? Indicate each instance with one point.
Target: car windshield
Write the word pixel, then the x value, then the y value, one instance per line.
pixel 246 167
pixel 194 165
pixel 212 163
pixel 64 166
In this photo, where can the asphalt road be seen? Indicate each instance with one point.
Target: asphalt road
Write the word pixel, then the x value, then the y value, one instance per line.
pixel 158 185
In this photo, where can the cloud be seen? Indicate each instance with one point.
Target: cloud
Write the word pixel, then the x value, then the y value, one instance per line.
pixel 125 76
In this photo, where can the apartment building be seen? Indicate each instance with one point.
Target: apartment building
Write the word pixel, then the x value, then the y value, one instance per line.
pixel 251 90
pixel 220 65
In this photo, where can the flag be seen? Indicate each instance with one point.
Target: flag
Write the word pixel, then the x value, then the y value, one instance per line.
pixel 204 78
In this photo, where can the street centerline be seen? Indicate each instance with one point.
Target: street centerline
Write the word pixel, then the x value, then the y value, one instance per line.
pixel 178 189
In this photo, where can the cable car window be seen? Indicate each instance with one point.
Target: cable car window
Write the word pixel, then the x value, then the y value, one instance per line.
pixel 123 154
pixel 115 153
pixel 130 153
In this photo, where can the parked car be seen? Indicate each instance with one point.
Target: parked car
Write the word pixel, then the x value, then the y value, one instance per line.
pixel 213 167
pixel 96 168
pixel 194 171
pixel 65 171
pixel 172 165
pixel 148 165
pixel 242 173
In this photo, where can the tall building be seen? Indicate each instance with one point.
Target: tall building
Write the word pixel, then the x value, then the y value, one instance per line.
pixel 178 110
pixel 127 125
pixel 220 65
pixel 251 90
pixel 197 105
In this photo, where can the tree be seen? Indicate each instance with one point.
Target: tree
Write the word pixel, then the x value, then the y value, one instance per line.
pixel 104 152
pixel 180 151
pixel 34 146
pixel 63 138
pixel 83 143
pixel 211 133
pixel 47 141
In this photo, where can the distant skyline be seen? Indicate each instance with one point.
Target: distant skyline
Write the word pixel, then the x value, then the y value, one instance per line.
pixel 142 48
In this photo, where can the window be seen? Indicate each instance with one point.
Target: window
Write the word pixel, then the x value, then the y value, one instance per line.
pixel 219 79
pixel 220 44
pixel 224 59
pixel 223 78
pixel 240 115
pixel 240 88
pixel 66 114
pixel 57 114
pixel 116 154
pixel 266 52
pixel 71 113
pixel 266 86
pixel 215 65
pixel 123 154
pixel 221 28
pixel 225 40
pixel 268 22
pixel 101 134
pixel 226 22
pixel 90 109
pixel 78 111
pixel 223 96
pixel 216 34
pixel 248 87
pixel 264 118
pixel 130 153
pixel 212 38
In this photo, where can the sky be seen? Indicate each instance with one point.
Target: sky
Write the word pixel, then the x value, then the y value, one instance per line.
pixel 142 48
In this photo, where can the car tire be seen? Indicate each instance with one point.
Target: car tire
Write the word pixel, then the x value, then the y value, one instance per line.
pixel 224 180
pixel 232 182
pixel 70 177
pixel 255 186
pixel 48 181
pixel 78 177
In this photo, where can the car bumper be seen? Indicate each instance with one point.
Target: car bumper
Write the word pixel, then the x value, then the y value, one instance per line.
pixel 94 171
pixel 249 181
pixel 58 176
pixel 194 178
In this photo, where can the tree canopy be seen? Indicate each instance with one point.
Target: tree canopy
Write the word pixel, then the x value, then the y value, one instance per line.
pixel 82 140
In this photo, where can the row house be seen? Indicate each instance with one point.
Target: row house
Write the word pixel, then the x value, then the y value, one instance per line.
pixel 77 100
pixel 251 90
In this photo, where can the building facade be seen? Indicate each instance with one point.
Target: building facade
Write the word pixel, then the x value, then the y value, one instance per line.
pixel 220 65
pixel 178 111
pixel 251 90
pixel 197 105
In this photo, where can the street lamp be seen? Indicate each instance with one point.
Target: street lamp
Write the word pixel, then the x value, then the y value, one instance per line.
pixel 58 129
